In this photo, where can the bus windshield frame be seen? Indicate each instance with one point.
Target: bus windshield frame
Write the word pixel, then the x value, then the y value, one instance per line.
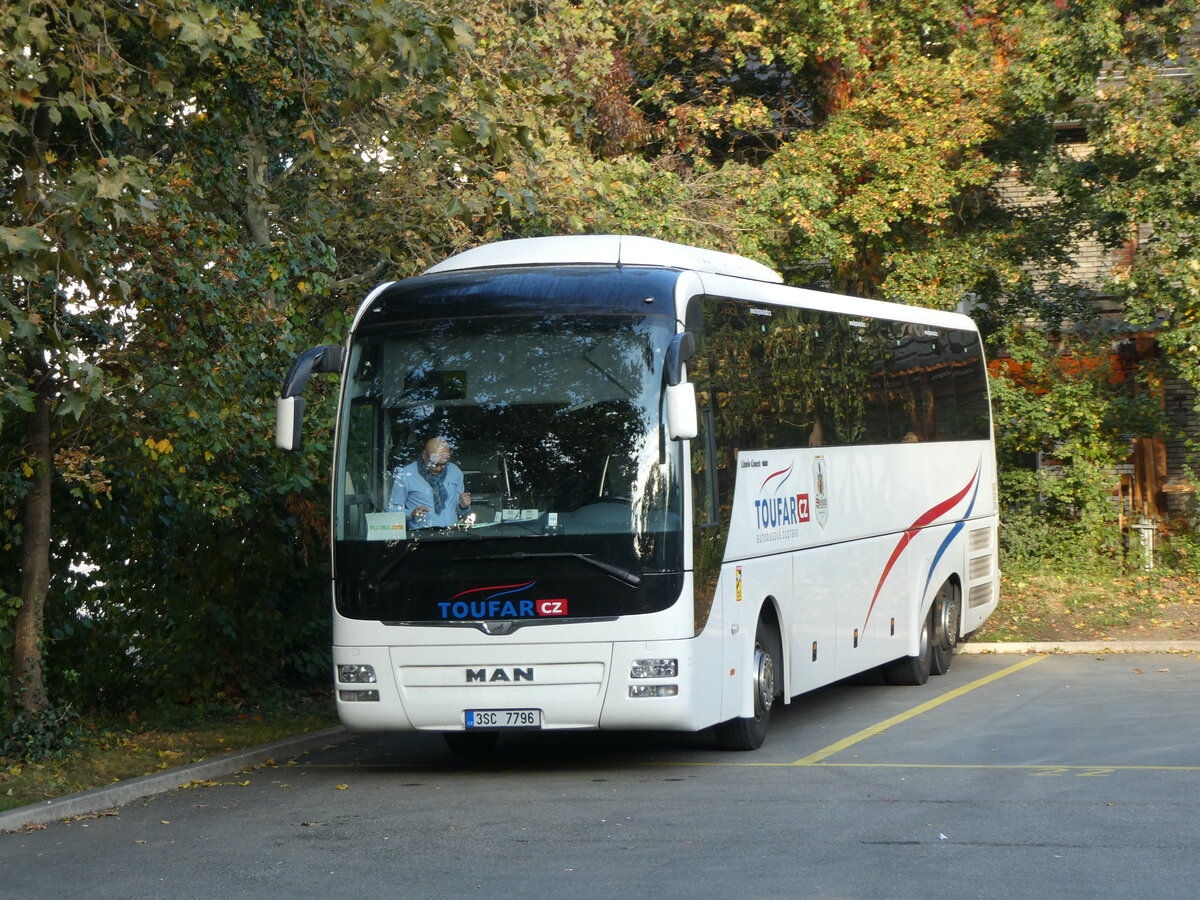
pixel 547 386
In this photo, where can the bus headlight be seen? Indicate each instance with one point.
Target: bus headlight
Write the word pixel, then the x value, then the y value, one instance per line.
pixel 654 668
pixel 653 690
pixel 356 674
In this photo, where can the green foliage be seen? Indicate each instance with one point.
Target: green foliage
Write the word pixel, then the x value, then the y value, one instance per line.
pixel 194 194
pixel 168 245
pixel 52 733
pixel 1060 403
pixel 1147 174
pixel 1031 538
pixel 1180 551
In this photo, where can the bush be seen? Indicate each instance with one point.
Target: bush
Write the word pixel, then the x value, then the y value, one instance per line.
pixel 1031 540
pixel 1180 550
pixel 54 733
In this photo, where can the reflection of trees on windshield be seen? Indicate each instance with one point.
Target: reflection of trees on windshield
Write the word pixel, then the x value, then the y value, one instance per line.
pixel 546 413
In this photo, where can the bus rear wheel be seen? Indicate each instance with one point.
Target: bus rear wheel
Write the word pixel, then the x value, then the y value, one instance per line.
pixel 748 733
pixel 947 608
pixel 914 669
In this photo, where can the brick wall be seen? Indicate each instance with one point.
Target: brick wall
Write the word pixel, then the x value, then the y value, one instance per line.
pixel 1179 401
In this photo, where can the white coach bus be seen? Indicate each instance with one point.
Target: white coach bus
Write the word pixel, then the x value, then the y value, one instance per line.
pixel 695 492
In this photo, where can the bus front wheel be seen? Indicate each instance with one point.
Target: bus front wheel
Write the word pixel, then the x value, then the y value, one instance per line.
pixel 748 733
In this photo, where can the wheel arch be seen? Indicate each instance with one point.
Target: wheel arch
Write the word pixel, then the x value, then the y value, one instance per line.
pixel 931 588
pixel 770 614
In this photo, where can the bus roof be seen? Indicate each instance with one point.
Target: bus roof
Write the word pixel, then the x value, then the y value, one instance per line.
pixel 605 249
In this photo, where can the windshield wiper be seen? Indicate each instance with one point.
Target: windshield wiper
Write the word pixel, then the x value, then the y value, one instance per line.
pixel 616 571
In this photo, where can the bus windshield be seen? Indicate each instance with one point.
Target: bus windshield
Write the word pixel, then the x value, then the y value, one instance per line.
pixel 552 418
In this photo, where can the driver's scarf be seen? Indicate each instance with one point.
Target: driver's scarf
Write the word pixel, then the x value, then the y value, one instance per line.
pixel 437 484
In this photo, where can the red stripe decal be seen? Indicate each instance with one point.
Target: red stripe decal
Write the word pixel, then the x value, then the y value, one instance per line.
pixel 775 474
pixel 493 587
pixel 930 515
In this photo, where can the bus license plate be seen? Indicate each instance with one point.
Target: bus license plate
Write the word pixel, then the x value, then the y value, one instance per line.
pixel 503 718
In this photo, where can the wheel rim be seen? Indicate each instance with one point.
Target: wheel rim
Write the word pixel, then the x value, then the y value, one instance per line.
pixel 947 624
pixel 764 681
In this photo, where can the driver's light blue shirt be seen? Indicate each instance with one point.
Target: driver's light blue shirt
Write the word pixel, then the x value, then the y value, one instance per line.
pixel 410 490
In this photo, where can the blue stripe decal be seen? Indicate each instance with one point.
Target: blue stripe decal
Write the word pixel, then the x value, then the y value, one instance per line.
pixel 958 526
pixel 516 590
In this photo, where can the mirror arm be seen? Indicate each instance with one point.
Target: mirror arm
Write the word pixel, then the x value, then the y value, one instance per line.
pixel 680 351
pixel 317 360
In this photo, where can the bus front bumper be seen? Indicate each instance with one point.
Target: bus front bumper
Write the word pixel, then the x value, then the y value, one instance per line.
pixel 624 685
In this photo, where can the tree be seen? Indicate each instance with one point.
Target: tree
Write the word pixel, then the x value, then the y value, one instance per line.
pixel 128 130
pixel 194 192
pixel 70 97
pixel 1143 181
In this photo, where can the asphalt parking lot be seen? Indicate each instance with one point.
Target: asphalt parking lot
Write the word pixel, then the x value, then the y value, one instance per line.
pixel 1077 774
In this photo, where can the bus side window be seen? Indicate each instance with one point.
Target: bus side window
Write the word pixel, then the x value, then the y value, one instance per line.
pixel 942 414
pixel 970 387
pixel 363 489
pixel 704 470
pixel 708 537
pixel 907 392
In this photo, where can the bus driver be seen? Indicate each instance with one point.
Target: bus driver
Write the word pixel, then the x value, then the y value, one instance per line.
pixel 425 488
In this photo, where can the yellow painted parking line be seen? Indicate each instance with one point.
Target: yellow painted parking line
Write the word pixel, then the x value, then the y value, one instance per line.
pixel 819 759
pixel 816 758
pixel 1034 768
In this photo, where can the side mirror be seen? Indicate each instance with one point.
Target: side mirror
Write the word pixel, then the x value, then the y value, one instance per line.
pixel 682 421
pixel 289 408
pixel 289 417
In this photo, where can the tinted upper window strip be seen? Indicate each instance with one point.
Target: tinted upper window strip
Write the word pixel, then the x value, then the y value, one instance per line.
pixel 574 289
pixel 802 377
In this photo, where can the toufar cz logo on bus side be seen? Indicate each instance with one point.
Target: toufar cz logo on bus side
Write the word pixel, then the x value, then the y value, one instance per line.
pixel 501 601
pixel 778 511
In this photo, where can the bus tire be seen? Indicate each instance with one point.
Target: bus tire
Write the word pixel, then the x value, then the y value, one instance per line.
pixel 470 743
pixel 749 733
pixel 914 669
pixel 947 609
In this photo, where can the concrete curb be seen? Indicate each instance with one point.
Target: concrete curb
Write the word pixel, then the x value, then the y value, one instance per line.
pixel 1191 645
pixel 122 792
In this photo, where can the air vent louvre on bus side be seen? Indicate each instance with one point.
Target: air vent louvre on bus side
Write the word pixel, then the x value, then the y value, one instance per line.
pixel 980 568
pixel 980 595
pixel 980 539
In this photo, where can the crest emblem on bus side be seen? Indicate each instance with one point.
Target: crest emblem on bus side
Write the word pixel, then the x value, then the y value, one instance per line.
pixel 821 490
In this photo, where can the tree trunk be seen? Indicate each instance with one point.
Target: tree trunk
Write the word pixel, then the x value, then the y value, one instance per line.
pixel 257 212
pixel 28 685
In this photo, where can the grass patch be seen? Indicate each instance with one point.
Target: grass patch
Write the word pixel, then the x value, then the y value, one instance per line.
pixel 111 751
pixel 1094 606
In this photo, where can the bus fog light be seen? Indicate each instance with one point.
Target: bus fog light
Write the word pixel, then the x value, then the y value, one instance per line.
pixel 653 690
pixel 353 696
pixel 654 668
pixel 356 674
